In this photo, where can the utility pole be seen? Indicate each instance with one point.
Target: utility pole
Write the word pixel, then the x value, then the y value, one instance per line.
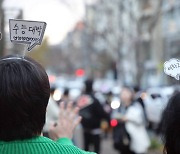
pixel 2 41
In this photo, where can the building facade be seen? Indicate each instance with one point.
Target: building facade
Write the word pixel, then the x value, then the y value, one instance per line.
pixel 137 36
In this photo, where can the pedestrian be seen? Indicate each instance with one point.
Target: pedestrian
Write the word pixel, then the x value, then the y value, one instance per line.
pixel 171 125
pixel 138 98
pixel 132 118
pixel 107 107
pixel 65 97
pixel 52 113
pixel 24 95
pixel 92 113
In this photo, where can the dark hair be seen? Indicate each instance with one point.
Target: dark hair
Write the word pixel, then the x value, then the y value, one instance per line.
pixel 66 92
pixel 88 86
pixel 52 89
pixel 136 88
pixel 171 126
pixel 24 95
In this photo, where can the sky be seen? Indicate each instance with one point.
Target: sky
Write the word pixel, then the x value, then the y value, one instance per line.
pixel 60 15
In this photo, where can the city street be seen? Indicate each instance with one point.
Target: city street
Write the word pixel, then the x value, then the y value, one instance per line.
pixel 106 146
pixel 101 72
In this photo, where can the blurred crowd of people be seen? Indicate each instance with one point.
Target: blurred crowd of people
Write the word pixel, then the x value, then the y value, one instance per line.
pixel 128 125
pixel 129 122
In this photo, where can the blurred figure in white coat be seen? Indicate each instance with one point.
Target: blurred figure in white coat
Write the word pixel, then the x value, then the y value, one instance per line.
pixel 135 123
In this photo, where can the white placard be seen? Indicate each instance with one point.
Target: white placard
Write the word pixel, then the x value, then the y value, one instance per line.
pixel 27 32
pixel 172 68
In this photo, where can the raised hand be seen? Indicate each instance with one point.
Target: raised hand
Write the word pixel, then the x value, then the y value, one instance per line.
pixel 67 122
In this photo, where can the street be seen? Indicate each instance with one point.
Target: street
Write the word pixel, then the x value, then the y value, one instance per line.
pixel 106 145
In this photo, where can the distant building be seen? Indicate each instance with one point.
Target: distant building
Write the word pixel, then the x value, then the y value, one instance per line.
pixel 171 28
pixel 136 36
pixel 171 31
pixel 128 31
pixel 9 47
pixel 72 49
pixel 149 51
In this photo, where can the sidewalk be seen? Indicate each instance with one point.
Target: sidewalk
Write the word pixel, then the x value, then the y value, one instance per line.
pixel 107 147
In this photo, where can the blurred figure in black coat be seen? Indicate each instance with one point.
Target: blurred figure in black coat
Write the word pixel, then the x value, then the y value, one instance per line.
pixel 92 113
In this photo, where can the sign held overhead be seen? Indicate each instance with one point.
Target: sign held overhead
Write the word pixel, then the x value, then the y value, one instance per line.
pixel 26 32
pixel 172 68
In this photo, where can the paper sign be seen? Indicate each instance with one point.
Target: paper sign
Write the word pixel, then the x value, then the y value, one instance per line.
pixel 27 32
pixel 172 68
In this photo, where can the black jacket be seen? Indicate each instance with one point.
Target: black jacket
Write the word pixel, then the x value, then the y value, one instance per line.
pixel 93 114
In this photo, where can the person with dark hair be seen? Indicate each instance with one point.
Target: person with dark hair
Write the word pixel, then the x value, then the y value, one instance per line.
pixel 138 98
pixel 52 113
pixel 107 107
pixel 131 117
pixel 171 125
pixel 92 113
pixel 24 95
pixel 65 97
pixel 66 92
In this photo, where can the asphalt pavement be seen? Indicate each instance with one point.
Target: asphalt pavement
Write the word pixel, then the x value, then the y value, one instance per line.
pixel 106 145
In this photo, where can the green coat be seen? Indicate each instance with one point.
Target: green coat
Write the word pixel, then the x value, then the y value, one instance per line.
pixel 40 145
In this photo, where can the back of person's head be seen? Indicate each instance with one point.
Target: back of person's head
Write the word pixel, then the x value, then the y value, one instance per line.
pixel 66 92
pixel 126 96
pixel 109 94
pixel 52 89
pixel 88 86
pixel 24 95
pixel 136 89
pixel 171 126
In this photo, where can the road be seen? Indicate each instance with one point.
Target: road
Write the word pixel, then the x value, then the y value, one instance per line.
pixel 106 145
